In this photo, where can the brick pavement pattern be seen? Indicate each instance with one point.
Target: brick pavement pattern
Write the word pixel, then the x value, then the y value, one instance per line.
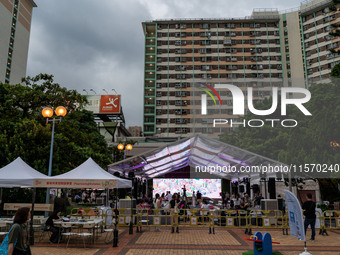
pixel 193 241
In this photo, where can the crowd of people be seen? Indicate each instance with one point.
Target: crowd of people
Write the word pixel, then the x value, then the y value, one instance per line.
pixel 88 197
pixel 237 202
pixel 181 201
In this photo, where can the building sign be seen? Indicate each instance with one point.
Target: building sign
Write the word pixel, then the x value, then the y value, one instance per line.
pixel 110 104
pixel 65 183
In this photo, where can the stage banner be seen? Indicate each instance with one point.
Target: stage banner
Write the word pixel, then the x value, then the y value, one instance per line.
pixel 296 223
pixel 73 183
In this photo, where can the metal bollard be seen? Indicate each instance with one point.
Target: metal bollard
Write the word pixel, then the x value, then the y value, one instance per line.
pixel 115 238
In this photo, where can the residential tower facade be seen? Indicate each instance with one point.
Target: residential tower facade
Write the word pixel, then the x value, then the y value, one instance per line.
pixel 185 58
pixel 15 20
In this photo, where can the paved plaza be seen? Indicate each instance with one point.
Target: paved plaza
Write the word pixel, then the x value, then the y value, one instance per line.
pixel 191 241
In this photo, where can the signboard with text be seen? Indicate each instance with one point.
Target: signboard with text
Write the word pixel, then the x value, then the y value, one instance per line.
pixel 37 207
pixel 70 183
pixel 109 104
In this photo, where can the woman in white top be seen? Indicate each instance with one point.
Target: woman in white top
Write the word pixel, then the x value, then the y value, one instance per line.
pixel 158 206
pixel 193 199
pixel 237 202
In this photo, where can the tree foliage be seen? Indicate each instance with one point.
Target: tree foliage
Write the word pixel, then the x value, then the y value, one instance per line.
pixel 24 132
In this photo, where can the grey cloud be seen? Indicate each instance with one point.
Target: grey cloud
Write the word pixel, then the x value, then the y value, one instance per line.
pixel 100 44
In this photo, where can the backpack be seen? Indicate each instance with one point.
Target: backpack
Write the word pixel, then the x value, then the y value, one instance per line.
pixel 5 244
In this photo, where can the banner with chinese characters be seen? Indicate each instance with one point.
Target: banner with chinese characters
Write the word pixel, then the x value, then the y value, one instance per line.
pixel 37 207
pixel 65 183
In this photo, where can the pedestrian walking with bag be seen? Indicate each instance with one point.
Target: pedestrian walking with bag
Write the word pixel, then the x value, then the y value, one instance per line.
pixel 16 241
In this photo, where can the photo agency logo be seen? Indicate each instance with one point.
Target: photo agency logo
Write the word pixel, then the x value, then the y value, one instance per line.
pixel 289 96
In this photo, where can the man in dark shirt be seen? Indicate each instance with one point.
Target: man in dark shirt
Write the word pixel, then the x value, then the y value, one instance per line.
pixel 258 199
pixel 199 196
pixel 309 213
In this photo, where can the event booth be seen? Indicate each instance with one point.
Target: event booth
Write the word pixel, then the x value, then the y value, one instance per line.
pixel 18 174
pixel 87 175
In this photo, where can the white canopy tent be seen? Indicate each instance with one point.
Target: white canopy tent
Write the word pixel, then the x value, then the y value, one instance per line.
pixel 87 175
pixel 197 151
pixel 18 174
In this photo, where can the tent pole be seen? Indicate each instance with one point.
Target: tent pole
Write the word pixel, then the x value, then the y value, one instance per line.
pixel 131 223
pixel 106 198
pixel 115 231
pixel 32 214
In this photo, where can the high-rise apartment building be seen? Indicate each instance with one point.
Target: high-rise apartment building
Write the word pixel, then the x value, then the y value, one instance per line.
pixel 15 20
pixel 185 58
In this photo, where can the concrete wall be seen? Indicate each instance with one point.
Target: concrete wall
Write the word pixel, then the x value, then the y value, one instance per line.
pixel 295 50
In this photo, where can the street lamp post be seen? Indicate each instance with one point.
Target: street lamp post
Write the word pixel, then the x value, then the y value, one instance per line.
pixel 129 148
pixel 47 112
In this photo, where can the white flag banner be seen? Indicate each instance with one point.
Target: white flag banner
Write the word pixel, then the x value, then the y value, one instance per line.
pixel 296 222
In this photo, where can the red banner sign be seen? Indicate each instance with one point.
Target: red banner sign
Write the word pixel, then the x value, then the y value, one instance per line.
pixel 110 104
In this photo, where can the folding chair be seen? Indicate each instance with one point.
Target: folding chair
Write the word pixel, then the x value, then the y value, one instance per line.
pixel 67 226
pixel 90 227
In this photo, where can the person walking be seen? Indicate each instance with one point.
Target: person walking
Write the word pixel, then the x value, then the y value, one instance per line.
pixel 18 235
pixel 309 213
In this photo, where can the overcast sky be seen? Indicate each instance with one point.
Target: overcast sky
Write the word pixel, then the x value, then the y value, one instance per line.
pixel 91 44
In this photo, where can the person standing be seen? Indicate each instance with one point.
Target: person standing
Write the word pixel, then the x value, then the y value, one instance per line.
pixel 158 206
pixel 163 197
pixel 309 213
pixel 17 236
pixel 257 201
pixel 174 214
pixel 83 196
pixel 199 197
pixel 193 199
pixel 184 191
pixel 237 202
pixel 77 198
pixel 168 196
pixel 222 194
pixel 93 197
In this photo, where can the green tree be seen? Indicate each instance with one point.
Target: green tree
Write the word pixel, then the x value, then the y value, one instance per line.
pixel 24 132
pixel 336 71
